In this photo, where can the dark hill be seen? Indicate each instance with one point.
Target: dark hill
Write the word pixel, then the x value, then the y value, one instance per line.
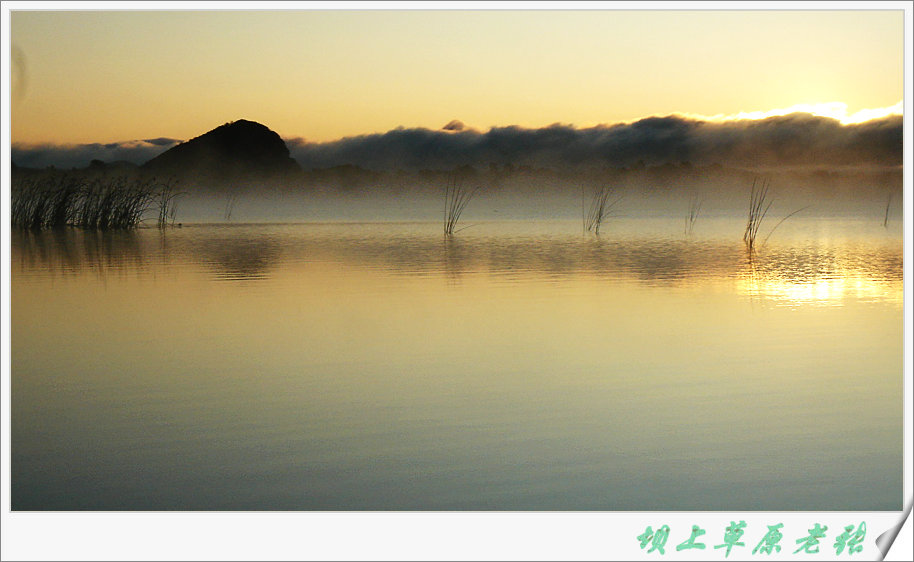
pixel 235 153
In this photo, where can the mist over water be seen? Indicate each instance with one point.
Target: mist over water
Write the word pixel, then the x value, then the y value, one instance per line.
pixel 541 197
pixel 517 365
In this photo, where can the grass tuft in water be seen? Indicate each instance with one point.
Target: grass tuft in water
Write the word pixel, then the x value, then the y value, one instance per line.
pixel 229 207
pixel 601 204
pixel 456 199
pixel 758 208
pixel 759 204
pixel 694 210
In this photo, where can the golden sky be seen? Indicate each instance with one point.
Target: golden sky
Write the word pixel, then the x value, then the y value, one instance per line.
pixel 322 75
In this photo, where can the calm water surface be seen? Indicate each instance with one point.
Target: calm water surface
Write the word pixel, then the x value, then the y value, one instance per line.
pixel 515 366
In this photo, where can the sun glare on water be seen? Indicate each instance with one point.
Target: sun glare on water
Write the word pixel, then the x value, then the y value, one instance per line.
pixel 831 291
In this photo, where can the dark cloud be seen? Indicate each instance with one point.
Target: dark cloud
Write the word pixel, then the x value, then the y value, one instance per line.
pixel 791 140
pixel 455 125
pixel 79 156
pixel 162 141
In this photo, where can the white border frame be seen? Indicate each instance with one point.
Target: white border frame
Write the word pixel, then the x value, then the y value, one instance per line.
pixel 413 535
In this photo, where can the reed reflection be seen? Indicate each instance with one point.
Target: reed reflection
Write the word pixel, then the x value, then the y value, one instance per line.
pixel 238 259
pixel 69 252
pixel 871 269
pixel 457 259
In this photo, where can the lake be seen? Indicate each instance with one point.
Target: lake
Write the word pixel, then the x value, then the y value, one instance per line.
pixel 517 365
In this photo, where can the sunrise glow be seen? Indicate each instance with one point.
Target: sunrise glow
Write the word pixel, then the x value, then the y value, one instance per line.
pixel 835 110
pixel 114 76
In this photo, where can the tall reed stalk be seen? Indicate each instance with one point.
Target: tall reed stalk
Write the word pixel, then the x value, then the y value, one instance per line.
pixel 780 222
pixel 456 199
pixel 230 206
pixel 167 201
pixel 888 203
pixel 600 206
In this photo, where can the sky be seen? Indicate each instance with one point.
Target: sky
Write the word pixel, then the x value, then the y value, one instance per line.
pixel 319 76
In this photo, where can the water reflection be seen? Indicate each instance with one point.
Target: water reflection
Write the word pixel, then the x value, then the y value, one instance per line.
pixel 233 259
pixel 792 272
pixel 823 275
pixel 385 367
pixel 69 252
pixel 456 258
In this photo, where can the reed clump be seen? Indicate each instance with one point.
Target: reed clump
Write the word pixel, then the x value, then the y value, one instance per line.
pixel 456 199
pixel 38 204
pixel 92 204
pixel 600 206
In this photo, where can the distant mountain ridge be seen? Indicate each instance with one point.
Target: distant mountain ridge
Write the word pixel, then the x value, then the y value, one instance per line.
pixel 238 151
